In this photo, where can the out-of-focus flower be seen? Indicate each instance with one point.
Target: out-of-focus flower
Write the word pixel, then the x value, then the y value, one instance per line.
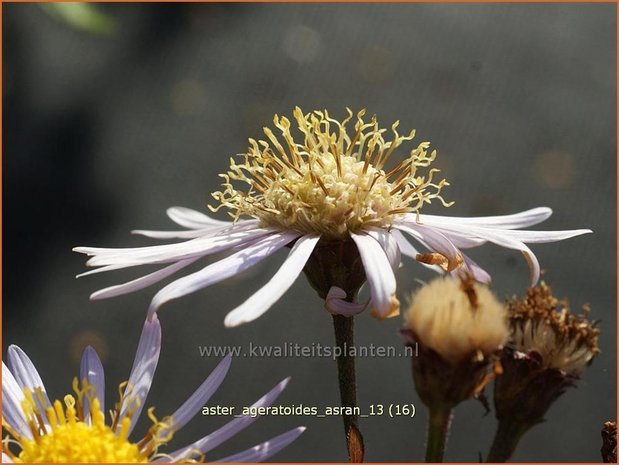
pixel 76 431
pixel 548 350
pixel 609 442
pixel 457 328
pixel 330 197
pixel 82 16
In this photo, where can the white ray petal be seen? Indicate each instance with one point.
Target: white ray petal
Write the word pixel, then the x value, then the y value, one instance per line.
pixel 91 370
pixel 336 305
pixel 406 247
pixel 409 250
pixel 223 269
pixel 187 234
pixel 142 372
pixel 389 245
pixel 142 282
pixel 228 430
pixel 202 232
pixel 6 458
pixel 192 219
pixel 514 221
pixel 199 247
pixel 265 450
pixel 467 236
pixel 378 271
pixel 103 269
pixel 433 240
pixel 26 374
pixel 479 274
pixel 460 239
pixel 200 397
pixel 499 238
pixel 281 281
pixel 12 398
pixel 537 237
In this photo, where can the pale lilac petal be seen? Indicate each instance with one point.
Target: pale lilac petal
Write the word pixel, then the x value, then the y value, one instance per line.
pixel 103 269
pixel 230 429
pixel 479 274
pixel 223 269
pixel 194 404
pixel 6 458
pixel 142 372
pixel 12 397
pixel 192 219
pixel 142 282
pixel 499 238
pixel 194 248
pixel 533 263
pixel 379 273
pixel 467 236
pixel 91 370
pixel 389 245
pixel 25 373
pixel 541 237
pixel 460 239
pixel 202 232
pixel 409 250
pixel 406 247
pixel 185 234
pixel 281 281
pixel 265 450
pixel 516 240
pixel 433 240
pixel 515 221
pixel 336 305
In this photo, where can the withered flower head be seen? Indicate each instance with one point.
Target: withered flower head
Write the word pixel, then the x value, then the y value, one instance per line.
pixel 543 324
pixel 457 319
pixel 457 326
pixel 548 350
pixel 609 442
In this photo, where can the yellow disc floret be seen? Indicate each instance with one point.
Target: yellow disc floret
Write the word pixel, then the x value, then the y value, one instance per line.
pixel 329 183
pixel 71 440
pixel 62 433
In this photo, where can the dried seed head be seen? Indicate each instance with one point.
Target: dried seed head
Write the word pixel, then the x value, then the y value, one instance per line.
pixel 543 324
pixel 457 319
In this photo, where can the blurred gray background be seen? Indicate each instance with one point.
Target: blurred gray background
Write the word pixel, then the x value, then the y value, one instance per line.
pixel 104 131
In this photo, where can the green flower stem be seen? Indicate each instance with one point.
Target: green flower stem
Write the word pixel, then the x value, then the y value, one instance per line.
pixel 506 440
pixel 438 429
pixel 344 338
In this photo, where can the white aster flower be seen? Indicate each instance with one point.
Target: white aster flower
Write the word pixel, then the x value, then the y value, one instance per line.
pixel 329 189
pixel 75 430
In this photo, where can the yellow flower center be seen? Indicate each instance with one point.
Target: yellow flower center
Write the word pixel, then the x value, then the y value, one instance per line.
pixel 330 183
pixel 60 434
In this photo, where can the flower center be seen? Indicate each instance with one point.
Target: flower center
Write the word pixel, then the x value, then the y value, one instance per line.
pixel 61 434
pixel 330 183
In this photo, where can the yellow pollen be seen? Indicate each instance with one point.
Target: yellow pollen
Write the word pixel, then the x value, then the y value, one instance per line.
pixel 62 435
pixel 329 183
